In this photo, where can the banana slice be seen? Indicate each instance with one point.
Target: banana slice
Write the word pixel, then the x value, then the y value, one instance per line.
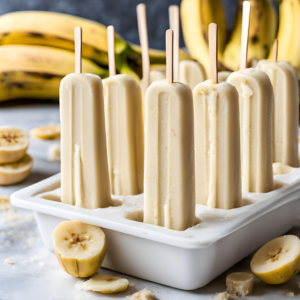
pixel 239 284
pixel 105 284
pixel 4 203
pixel 278 260
pixel 79 248
pixel 48 132
pixel 15 172
pixel 13 144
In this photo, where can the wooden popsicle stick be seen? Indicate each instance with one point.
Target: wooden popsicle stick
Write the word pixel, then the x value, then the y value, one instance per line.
pixel 169 55
pixel 275 51
pixel 111 50
pixel 143 34
pixel 213 52
pixel 245 35
pixel 78 45
pixel 174 25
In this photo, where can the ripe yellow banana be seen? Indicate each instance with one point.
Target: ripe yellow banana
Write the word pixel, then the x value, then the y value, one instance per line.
pixel 57 30
pixel 196 15
pixel 263 28
pixel 288 35
pixel 36 71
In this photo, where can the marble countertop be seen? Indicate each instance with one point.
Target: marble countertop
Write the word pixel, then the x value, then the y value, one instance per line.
pixel 36 273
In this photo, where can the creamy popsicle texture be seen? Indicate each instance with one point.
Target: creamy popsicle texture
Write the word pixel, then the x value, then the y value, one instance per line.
pixel 217 145
pixel 223 75
pixel 156 74
pixel 286 110
pixel 169 183
pixel 124 134
pixel 84 167
pixel 191 73
pixel 256 109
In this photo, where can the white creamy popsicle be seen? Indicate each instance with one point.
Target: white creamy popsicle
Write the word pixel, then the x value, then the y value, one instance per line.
pixel 124 134
pixel 217 145
pixel 84 168
pixel 124 128
pixel 191 73
pixel 169 186
pixel 256 109
pixel 286 110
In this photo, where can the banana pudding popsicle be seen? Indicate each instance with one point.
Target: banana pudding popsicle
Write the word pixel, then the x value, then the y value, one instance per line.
pixel 169 185
pixel 124 128
pixel 284 80
pixel 189 72
pixel 217 138
pixel 84 168
pixel 256 109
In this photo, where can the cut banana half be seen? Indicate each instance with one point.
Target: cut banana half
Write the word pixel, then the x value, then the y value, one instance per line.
pixel 12 173
pixel 278 260
pixel 239 284
pixel 80 248
pixel 48 132
pixel 105 284
pixel 13 144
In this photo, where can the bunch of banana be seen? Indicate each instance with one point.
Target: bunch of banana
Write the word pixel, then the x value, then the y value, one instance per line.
pixel 36 71
pixel 196 15
pixel 37 47
pixel 262 32
pixel 288 33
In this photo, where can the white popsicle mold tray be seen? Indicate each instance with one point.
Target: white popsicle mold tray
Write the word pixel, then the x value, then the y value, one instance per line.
pixel 181 259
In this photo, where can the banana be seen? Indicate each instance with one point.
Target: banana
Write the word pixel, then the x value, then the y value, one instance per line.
pixel 47 132
pixel 105 284
pixel 13 144
pixel 80 248
pixel 196 15
pixel 239 284
pixel 288 36
pixel 262 32
pixel 57 30
pixel 36 71
pixel 4 203
pixel 12 173
pixel 278 260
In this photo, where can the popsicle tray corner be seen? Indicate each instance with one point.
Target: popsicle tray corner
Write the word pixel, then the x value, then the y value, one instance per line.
pixel 181 259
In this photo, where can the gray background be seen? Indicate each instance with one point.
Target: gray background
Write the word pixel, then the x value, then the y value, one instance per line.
pixel 120 13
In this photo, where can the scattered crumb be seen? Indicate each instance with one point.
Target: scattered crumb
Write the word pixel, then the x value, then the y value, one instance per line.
pixel 34 258
pixel 131 284
pixel 9 261
pixel 4 203
pixel 54 153
pixel 7 243
pixel 222 296
pixel 291 294
pixel 143 295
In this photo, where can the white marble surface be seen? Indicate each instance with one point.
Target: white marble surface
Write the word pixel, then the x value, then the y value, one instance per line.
pixel 36 273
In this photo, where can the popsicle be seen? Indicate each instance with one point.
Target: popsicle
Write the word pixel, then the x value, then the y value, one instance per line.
pixel 186 71
pixel 217 138
pixel 143 35
pixel 84 168
pixel 156 74
pixel 124 128
pixel 223 75
pixel 286 109
pixel 256 109
pixel 169 185
pixel 191 73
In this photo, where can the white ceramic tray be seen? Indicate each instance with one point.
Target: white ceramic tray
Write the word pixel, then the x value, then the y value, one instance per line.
pixel 182 259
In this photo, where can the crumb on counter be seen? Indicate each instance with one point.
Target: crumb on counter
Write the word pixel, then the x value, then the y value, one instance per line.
pixel 222 296
pixel 143 295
